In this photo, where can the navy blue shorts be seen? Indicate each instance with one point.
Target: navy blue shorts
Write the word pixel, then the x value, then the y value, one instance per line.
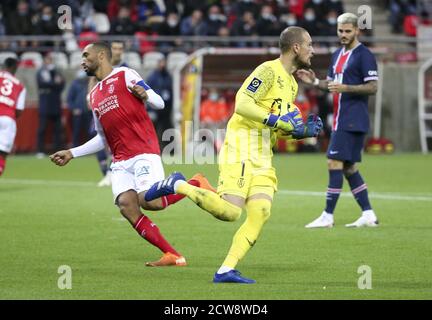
pixel 346 146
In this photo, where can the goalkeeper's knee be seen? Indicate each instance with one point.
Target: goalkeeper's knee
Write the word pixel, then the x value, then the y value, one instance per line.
pixel 258 210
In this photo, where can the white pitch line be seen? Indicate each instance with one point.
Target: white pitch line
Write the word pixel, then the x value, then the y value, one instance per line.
pixel 372 195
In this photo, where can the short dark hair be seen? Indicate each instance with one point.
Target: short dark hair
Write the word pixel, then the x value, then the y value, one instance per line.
pixel 10 63
pixel 103 46
pixel 290 36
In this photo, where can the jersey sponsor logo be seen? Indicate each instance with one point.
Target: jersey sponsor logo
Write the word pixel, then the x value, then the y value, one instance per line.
pixel 7 101
pixel 106 105
pixel 254 85
pixel 111 80
pixel 372 72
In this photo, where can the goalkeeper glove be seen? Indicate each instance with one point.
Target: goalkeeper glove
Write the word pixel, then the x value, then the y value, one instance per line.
pixel 312 128
pixel 287 122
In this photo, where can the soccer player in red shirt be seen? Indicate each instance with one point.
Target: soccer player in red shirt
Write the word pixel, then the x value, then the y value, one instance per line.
pixel 119 102
pixel 12 100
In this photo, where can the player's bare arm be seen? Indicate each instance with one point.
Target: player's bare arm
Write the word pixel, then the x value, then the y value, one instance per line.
pixel 309 77
pixel 139 92
pixel 369 88
pixel 61 158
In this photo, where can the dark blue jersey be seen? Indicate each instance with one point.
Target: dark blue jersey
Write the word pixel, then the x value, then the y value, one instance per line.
pixel 353 67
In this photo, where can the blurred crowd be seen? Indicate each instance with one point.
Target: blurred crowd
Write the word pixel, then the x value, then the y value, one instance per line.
pixel 406 15
pixel 146 19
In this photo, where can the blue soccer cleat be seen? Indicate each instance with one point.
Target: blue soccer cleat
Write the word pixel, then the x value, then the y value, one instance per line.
pixel 164 187
pixel 232 276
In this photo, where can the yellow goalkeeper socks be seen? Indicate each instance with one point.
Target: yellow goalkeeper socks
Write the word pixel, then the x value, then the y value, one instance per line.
pixel 210 201
pixel 258 212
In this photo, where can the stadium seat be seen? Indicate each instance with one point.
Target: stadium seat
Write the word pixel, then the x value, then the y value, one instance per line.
pixel 60 59
pixel 7 54
pixel 151 59
pixel 75 59
pixel 101 22
pixel 133 59
pixel 175 58
pixel 34 57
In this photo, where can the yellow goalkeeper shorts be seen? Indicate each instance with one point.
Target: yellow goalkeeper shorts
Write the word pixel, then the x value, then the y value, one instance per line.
pixel 245 180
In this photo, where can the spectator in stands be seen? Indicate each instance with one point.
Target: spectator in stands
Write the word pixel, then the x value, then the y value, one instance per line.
pixel 170 27
pixel 123 23
pixel 287 20
pixel 47 25
pixel 329 27
pixel 319 7
pixel 117 51
pixel 267 23
pixel 214 113
pixel 243 6
pixel 114 6
pixel 143 38
pixel 310 23
pixel 194 25
pixel 19 22
pixel 88 34
pixel 50 83
pixel 77 104
pixel 215 20
pixel 161 82
pixel 245 26
pixel 223 36
pixel 151 12
pixel 335 5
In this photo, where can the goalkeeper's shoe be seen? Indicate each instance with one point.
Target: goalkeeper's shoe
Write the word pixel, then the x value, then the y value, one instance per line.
pixel 367 219
pixel 232 276
pixel 203 182
pixel 325 220
pixel 168 259
pixel 164 187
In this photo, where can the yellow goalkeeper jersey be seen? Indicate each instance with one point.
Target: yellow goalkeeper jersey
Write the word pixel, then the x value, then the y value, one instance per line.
pixel 274 90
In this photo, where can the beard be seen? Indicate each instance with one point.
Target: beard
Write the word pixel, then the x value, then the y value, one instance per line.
pixel 348 42
pixel 90 73
pixel 301 64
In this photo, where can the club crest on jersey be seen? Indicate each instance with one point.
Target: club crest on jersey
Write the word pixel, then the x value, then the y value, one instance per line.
pixel 241 182
pixel 254 85
pixel 111 89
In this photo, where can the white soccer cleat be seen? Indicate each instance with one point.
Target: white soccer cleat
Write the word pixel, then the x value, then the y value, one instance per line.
pixel 325 220
pixel 367 219
pixel 106 181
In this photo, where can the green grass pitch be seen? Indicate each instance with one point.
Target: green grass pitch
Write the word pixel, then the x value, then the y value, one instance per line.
pixel 52 216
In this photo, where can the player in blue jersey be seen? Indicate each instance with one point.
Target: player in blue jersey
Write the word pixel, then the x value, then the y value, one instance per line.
pixel 352 78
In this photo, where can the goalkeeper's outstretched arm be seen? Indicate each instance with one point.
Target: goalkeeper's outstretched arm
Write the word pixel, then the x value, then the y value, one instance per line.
pixel 247 107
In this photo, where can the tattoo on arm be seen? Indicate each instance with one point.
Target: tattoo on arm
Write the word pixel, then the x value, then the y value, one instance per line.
pixel 369 88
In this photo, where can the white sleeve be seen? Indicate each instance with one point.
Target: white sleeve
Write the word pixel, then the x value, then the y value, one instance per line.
pixel 92 146
pixel 133 78
pixel 21 100
pixel 154 100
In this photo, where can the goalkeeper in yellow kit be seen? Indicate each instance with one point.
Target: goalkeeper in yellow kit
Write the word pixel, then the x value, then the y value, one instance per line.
pixel 264 108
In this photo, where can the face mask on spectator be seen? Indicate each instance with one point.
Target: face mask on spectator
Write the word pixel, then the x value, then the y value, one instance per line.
pixel 267 16
pixel 335 1
pixel 215 17
pixel 50 66
pixel 172 22
pixel 332 21
pixel 289 20
pixel 213 96
pixel 309 16
pixel 317 1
